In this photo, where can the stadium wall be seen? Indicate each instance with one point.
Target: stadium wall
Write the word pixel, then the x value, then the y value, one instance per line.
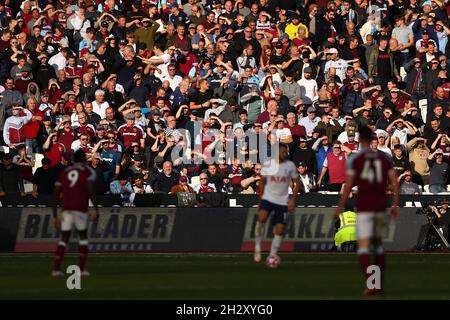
pixel 190 230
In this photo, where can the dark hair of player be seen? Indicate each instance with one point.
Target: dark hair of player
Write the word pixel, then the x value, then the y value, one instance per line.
pixel 349 206
pixel 79 156
pixel 365 134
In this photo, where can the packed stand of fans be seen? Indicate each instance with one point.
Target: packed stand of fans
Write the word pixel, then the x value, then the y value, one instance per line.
pixel 125 80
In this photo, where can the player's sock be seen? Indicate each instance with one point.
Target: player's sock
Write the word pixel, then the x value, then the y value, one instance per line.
pixel 258 235
pixel 364 260
pixel 59 255
pixel 276 242
pixel 379 258
pixel 83 247
pixel 380 262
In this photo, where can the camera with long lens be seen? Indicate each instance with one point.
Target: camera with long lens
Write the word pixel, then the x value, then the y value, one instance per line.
pixel 427 210
pixel 431 236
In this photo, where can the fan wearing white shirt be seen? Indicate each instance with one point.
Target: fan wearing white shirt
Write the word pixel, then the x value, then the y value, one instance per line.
pixel 308 86
pixel 282 133
pixel 339 64
pixel 310 121
pixel 402 129
pixel 160 59
pixel 99 104
pixel 173 79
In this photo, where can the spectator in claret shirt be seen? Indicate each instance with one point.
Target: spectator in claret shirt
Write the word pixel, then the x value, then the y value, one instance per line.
pixel 204 186
pixel 129 132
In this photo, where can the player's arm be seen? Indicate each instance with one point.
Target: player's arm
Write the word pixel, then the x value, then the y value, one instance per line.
pixel 322 174
pixel 348 185
pixel 395 191
pixel 55 200
pixel 293 200
pixel 262 185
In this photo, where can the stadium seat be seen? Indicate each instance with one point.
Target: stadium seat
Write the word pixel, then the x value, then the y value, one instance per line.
pixel 403 73
pixel 4 149
pixel 37 161
pixel 423 105
pixel 28 187
pixel 194 181
pixel 426 188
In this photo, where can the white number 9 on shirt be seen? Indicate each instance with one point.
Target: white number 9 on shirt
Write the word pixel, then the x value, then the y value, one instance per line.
pixel 73 177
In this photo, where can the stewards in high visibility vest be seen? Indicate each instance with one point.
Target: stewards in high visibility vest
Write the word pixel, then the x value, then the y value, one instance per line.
pixel 345 237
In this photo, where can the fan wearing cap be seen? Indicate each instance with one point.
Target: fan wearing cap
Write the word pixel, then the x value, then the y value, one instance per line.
pixel 277 57
pixel 438 172
pixel 293 27
pixel 337 63
pixel 45 106
pixel 182 186
pixel 282 132
pixel 422 44
pixel 304 153
pixel 307 178
pixel 351 144
pixel 310 121
pixel 146 33
pixel 177 16
pixel 24 80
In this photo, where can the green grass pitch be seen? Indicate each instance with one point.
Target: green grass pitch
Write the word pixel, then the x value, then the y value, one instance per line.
pixel 223 276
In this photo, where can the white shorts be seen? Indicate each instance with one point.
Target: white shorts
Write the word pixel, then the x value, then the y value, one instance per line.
pixel 369 225
pixel 69 218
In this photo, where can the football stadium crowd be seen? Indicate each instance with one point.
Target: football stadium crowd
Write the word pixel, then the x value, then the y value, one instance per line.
pixel 125 81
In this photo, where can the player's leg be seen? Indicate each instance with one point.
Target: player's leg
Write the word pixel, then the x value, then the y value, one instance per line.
pixel 263 213
pixel 81 224
pixel 364 230
pixel 279 221
pixel 83 249
pixel 379 221
pixel 277 238
pixel 368 231
pixel 66 227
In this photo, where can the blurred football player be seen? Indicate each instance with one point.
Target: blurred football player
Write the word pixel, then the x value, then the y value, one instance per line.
pixel 74 187
pixel 274 184
pixel 370 171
